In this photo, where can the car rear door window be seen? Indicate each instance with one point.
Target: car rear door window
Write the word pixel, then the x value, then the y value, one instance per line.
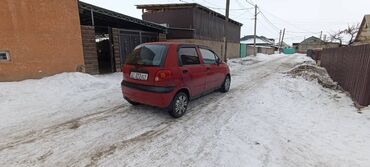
pixel 147 55
pixel 208 56
pixel 189 56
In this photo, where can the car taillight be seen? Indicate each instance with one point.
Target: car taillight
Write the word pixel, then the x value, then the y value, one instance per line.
pixel 163 75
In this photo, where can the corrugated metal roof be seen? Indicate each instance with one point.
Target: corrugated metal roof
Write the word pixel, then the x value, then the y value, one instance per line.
pixel 86 6
pixel 181 6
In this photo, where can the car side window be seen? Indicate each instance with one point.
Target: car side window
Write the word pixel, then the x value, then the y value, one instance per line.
pixel 208 56
pixel 188 56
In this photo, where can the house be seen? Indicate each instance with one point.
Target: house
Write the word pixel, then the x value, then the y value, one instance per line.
pixel 260 40
pixel 295 46
pixel 43 38
pixel 314 43
pixel 263 45
pixel 194 23
pixel 363 35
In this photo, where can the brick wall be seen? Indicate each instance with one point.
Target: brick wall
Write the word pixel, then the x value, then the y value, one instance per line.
pixel 43 38
pixel 89 50
pixel 116 49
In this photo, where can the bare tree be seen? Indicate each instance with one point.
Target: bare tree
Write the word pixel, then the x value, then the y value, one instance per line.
pixel 349 33
pixel 337 36
pixel 352 32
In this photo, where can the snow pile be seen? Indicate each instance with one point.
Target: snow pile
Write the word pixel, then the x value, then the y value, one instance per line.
pixel 37 103
pixel 250 60
pixel 302 59
pixel 313 72
pixel 265 57
pixel 299 123
pixel 54 86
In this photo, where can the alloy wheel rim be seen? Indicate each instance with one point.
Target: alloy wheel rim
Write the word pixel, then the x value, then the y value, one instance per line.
pixel 181 104
pixel 227 83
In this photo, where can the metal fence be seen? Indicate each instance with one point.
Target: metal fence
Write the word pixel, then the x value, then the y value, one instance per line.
pixel 350 67
pixel 314 54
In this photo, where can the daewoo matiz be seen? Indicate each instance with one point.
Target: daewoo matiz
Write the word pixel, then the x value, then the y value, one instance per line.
pixel 169 75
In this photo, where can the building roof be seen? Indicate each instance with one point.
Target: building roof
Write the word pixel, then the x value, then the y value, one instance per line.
pixel 311 38
pixel 119 16
pixel 249 39
pixel 365 21
pixel 182 6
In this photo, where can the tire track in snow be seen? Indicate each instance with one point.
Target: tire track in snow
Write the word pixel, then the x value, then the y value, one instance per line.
pixel 201 111
pixel 69 125
pixel 197 118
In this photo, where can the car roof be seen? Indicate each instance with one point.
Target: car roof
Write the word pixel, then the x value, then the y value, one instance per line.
pixel 175 43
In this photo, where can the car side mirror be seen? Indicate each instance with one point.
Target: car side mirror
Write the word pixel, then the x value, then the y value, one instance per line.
pixel 218 61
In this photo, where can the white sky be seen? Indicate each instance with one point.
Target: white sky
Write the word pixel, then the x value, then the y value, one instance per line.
pixel 301 18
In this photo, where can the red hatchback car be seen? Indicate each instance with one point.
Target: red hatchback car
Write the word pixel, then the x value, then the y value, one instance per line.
pixel 169 75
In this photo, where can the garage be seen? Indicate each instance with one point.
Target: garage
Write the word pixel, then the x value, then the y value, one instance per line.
pixel 108 37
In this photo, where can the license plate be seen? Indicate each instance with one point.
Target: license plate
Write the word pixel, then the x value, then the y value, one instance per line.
pixel 139 76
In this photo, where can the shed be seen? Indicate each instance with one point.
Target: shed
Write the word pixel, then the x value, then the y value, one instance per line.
pixel 108 37
pixel 194 23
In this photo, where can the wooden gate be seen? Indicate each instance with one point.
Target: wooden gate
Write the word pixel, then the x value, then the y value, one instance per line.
pixel 129 39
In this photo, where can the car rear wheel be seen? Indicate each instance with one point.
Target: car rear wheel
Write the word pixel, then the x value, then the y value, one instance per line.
pixel 226 85
pixel 179 105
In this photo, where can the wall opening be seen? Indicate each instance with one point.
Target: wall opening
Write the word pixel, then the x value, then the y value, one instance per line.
pixel 4 56
pixel 104 46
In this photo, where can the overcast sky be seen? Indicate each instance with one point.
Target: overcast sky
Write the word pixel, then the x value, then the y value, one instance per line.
pixel 301 18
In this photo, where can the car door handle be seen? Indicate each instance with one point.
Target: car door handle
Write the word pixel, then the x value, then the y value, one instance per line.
pixel 185 71
pixel 208 68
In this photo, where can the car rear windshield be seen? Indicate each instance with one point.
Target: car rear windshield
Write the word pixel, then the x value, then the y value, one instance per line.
pixel 147 55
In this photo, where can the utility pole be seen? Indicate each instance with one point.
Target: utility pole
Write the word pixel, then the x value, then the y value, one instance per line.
pixel 255 30
pixel 226 29
pixel 282 40
pixel 279 41
pixel 321 41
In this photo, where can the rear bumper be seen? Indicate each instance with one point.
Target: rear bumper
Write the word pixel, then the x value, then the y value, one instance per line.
pixel 148 95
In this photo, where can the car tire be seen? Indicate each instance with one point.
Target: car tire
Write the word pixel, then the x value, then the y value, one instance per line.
pixel 132 102
pixel 179 105
pixel 226 85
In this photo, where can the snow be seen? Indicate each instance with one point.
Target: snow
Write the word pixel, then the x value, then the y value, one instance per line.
pixel 268 118
pixel 53 100
pixel 258 41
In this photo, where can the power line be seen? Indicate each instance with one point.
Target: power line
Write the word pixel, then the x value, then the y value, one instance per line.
pixel 229 9
pixel 287 22
pixel 270 28
pixel 242 14
pixel 269 22
pixel 302 32
pixel 250 3
pixel 210 5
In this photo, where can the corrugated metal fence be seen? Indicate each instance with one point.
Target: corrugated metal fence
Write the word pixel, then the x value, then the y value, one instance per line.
pixel 350 67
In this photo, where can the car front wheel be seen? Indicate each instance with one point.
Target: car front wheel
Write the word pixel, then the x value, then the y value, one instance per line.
pixel 179 105
pixel 226 85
